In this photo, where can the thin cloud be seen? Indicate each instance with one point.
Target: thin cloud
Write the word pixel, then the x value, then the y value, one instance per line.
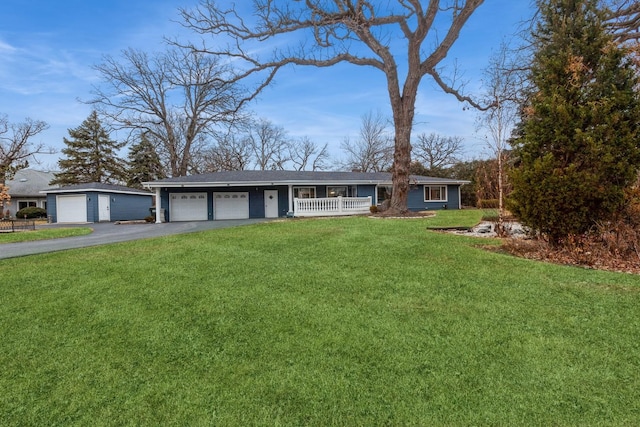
pixel 6 47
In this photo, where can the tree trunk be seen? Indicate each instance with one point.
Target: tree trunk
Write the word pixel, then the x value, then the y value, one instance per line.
pixel 403 112
pixel 500 225
pixel 400 169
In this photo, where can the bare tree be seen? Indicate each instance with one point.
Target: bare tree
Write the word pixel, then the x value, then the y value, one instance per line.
pixel 176 98
pixel 269 145
pixel 229 154
pixel 623 19
pixel 359 32
pixel 437 152
pixel 16 149
pixel 305 154
pixel 373 150
pixel 17 146
pixel 502 88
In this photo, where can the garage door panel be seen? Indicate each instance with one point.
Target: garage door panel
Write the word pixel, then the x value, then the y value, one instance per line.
pixel 188 206
pixel 231 205
pixel 71 208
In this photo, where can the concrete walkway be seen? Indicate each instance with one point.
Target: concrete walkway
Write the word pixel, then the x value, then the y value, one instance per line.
pixel 105 233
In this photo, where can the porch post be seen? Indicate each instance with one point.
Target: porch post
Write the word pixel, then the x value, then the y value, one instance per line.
pixel 290 191
pixel 158 206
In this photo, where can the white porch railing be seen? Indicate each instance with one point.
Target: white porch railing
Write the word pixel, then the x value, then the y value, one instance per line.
pixel 331 206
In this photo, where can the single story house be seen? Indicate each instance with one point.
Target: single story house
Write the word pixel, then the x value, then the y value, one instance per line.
pixel 97 202
pixel 24 190
pixel 273 194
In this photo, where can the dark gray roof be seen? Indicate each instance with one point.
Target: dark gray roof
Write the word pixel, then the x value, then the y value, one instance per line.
pixel 292 177
pixel 96 186
pixel 29 183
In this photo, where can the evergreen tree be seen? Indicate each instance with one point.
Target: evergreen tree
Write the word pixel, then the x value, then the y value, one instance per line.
pixel 578 145
pixel 90 156
pixel 144 163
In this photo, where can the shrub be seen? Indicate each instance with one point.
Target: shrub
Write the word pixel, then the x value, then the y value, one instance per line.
pixel 150 218
pixel 373 209
pixel 31 212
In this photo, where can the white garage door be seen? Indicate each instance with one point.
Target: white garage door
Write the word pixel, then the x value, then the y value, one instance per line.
pixel 188 206
pixel 231 205
pixel 71 208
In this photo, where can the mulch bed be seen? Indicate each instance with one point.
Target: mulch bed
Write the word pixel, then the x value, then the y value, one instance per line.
pixel 593 258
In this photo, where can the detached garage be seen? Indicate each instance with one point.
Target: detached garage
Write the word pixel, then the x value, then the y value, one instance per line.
pixel 97 202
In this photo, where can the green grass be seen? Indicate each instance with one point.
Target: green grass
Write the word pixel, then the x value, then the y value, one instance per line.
pixel 353 321
pixel 43 234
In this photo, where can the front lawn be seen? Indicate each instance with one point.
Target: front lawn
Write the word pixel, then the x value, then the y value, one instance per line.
pixel 352 321
pixel 43 234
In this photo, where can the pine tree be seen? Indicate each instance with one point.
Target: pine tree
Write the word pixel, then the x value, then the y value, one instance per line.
pixel 144 163
pixel 578 144
pixel 91 156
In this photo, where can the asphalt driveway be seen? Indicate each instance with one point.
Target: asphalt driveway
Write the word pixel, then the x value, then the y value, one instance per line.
pixel 105 233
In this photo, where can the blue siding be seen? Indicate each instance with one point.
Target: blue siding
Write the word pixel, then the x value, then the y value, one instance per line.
pixel 92 206
pixel 125 207
pixel 366 191
pixel 453 196
pixel 51 207
pixel 164 204
pixel 416 201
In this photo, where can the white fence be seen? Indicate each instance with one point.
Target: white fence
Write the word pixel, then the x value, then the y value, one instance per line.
pixel 331 206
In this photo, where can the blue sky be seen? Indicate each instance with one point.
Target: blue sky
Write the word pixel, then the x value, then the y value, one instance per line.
pixel 48 48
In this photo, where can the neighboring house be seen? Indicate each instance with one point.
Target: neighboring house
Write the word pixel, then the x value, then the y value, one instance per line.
pixel 273 194
pixel 25 188
pixel 96 202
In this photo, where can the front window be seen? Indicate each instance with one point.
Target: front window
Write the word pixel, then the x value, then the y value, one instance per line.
pixel 26 204
pixel 384 193
pixel 340 191
pixel 304 192
pixel 435 193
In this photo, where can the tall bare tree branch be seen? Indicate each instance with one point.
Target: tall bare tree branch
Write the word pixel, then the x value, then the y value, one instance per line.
pixel 269 145
pixel 304 154
pixel 436 151
pixel 373 150
pixel 623 19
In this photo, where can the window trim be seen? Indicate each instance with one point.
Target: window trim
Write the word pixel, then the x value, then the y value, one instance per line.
pixel 295 188
pixel 35 203
pixel 345 187
pixel 444 193
pixel 384 188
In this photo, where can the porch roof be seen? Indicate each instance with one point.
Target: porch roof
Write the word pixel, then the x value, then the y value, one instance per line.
pixel 266 178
